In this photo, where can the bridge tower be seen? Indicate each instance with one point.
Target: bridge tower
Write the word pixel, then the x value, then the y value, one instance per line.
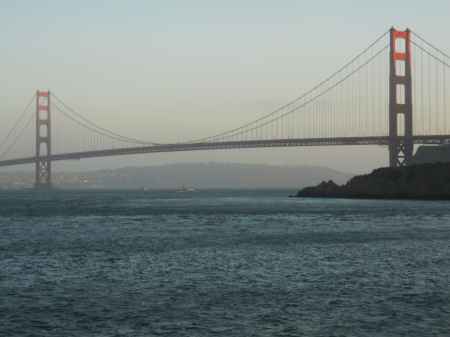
pixel 43 141
pixel 400 99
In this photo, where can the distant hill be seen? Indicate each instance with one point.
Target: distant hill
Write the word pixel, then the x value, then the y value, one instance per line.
pixel 227 175
pixel 198 175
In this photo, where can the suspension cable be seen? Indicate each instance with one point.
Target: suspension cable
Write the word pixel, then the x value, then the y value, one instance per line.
pixel 428 44
pixel 297 99
pixel 18 136
pixel 13 128
pixel 108 133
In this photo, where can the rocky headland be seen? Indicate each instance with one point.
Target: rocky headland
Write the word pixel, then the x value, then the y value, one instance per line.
pixel 418 181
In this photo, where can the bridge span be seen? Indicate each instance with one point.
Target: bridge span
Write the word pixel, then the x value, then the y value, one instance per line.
pixel 367 102
pixel 250 144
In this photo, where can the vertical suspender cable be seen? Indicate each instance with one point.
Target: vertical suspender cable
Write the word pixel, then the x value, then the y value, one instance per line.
pixel 444 74
pixel 422 81
pixel 437 94
pixel 429 94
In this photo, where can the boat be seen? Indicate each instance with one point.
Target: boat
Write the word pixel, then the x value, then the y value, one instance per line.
pixel 186 189
pixel 143 189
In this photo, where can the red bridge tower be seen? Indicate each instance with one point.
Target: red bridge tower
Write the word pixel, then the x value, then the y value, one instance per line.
pixel 400 99
pixel 43 141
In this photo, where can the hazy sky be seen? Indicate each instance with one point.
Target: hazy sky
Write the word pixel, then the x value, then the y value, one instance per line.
pixel 167 71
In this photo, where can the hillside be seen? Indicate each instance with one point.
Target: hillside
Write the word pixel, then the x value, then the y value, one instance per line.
pixel 424 181
pixel 197 175
pixel 213 175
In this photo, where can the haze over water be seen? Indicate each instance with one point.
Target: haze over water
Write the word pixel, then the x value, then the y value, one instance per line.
pixel 221 262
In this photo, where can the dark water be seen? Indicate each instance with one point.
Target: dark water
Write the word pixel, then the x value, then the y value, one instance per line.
pixel 221 263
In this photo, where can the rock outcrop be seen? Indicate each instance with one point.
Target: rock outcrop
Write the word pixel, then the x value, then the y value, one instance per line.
pixel 424 181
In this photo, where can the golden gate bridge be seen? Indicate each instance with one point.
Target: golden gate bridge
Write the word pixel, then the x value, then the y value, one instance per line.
pixel 394 93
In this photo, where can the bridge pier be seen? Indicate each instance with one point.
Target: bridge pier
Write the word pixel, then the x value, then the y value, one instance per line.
pixel 43 141
pixel 400 99
pixel 400 152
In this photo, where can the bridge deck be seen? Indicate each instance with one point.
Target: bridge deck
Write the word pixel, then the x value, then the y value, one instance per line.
pixel 382 141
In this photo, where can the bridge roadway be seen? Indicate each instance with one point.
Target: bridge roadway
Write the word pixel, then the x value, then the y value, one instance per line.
pixel 382 141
